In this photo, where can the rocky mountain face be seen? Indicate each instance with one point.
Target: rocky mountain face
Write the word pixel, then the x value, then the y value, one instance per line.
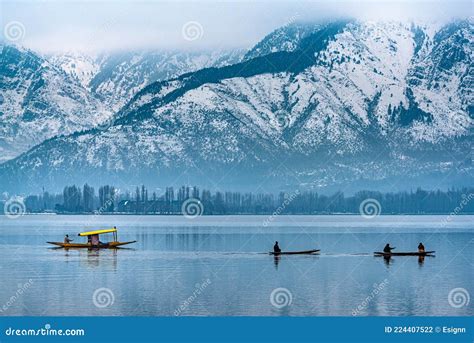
pixel 342 104
pixel 39 101
pixel 115 77
pixel 45 96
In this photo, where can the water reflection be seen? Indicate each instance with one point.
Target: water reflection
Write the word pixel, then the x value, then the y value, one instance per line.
pixel 388 260
pixel 161 270
pixel 421 260
pixel 91 257
pixel 276 261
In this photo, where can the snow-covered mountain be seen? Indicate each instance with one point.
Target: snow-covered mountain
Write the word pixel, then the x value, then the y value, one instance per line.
pixel 115 77
pixel 39 101
pixel 81 67
pixel 342 104
pixel 45 96
pixel 285 38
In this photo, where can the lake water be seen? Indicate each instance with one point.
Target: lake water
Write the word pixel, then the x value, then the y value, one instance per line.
pixel 218 266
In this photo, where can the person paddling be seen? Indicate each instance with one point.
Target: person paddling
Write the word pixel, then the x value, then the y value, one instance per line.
pixel 67 239
pixel 388 249
pixel 276 248
pixel 421 247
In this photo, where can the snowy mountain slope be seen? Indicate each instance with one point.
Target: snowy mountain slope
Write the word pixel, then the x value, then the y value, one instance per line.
pixel 81 67
pixel 442 81
pixel 45 96
pixel 350 103
pixel 39 101
pixel 115 77
pixel 285 38
pixel 293 62
pixel 361 77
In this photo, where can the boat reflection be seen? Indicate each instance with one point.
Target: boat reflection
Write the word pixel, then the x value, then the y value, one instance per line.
pixel 92 258
pixel 388 260
pixel 276 261
pixel 98 257
pixel 421 260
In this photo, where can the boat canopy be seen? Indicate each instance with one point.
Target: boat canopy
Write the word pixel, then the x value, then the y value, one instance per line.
pixel 97 232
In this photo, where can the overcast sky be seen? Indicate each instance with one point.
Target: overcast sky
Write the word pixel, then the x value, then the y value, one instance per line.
pixel 54 26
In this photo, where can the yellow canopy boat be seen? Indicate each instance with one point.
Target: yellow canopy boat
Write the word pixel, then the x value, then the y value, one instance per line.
pixel 97 232
pixel 93 241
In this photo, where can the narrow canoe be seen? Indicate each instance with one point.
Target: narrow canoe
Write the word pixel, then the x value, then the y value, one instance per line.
pixel 306 252
pixel 109 245
pixel 379 253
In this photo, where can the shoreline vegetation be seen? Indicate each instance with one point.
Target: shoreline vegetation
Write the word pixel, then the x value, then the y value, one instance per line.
pixel 192 202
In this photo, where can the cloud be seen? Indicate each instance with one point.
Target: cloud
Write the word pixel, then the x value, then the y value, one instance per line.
pixel 95 26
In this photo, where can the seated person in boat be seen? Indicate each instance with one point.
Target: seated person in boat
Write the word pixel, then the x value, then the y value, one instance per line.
pixel 388 248
pixel 421 247
pixel 67 239
pixel 95 240
pixel 276 248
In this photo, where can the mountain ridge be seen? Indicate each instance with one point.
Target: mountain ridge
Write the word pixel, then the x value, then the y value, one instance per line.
pixel 116 77
pixel 355 110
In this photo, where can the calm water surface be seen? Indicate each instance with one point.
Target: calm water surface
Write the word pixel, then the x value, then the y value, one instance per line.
pixel 217 266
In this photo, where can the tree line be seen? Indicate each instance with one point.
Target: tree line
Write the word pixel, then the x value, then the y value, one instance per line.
pixel 108 199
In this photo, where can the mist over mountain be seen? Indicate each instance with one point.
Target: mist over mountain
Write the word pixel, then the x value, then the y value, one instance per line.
pixel 338 105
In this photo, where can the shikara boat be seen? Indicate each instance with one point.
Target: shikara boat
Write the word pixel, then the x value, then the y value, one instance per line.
pixel 93 240
pixel 426 253
pixel 305 252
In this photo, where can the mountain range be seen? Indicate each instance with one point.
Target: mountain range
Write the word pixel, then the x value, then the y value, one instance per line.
pixel 43 96
pixel 115 77
pixel 336 105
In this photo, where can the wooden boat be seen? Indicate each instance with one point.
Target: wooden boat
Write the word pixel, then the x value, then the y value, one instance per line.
pixel 93 240
pixel 426 253
pixel 109 245
pixel 306 252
